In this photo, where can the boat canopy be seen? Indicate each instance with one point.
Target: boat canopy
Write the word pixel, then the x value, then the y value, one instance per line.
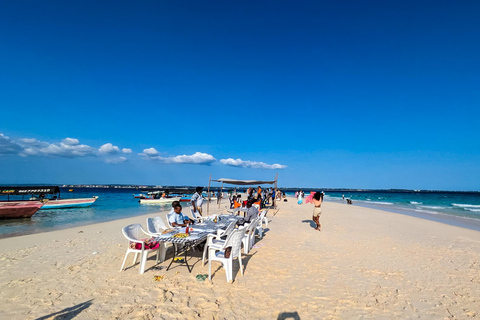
pixel 29 190
pixel 244 182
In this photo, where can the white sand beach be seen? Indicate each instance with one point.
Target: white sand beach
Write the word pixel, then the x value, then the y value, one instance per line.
pixel 365 263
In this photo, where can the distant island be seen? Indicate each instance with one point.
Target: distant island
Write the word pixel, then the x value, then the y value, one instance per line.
pixel 226 188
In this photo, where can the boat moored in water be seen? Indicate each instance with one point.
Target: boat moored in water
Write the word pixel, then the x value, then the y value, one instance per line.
pixel 19 209
pixel 69 203
pixel 38 200
pixel 159 200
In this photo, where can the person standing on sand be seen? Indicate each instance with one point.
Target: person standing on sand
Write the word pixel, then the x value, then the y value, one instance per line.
pixel 317 210
pixel 273 198
pixel 197 200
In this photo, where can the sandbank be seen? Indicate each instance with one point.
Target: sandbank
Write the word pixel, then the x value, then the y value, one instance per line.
pixel 365 263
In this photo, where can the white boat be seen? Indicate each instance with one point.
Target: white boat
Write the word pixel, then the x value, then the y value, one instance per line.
pixel 69 203
pixel 159 201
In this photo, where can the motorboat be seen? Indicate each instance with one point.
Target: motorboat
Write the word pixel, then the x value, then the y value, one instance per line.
pixel 159 200
pixel 69 203
pixel 19 209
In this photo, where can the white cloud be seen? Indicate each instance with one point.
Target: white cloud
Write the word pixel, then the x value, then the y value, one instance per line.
pixel 8 146
pixel 251 164
pixel 31 145
pixel 29 141
pixel 70 141
pixel 69 148
pixel 150 152
pixel 108 148
pixel 116 160
pixel 196 158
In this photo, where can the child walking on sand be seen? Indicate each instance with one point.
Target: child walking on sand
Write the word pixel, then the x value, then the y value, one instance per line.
pixel 317 210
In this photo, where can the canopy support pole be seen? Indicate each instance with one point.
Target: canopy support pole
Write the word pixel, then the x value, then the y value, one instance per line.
pixel 219 195
pixel 208 202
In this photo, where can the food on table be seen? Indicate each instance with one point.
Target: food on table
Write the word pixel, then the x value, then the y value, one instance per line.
pixel 181 235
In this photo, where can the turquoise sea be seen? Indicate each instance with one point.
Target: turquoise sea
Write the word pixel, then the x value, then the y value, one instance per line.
pixel 112 204
pixel 456 208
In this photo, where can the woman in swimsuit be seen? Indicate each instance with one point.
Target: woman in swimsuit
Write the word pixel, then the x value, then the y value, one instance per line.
pixel 317 211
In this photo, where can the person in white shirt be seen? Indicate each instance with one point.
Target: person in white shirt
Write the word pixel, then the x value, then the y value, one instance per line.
pixel 178 219
pixel 197 200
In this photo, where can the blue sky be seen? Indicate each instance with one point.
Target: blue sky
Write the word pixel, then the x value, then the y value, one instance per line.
pixel 354 94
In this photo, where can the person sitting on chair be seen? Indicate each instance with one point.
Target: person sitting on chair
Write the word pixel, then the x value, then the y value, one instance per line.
pixel 252 212
pixel 237 202
pixel 179 219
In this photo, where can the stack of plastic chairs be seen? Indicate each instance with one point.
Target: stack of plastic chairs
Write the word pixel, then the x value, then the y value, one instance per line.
pixel 234 241
pixel 216 241
pixel 249 238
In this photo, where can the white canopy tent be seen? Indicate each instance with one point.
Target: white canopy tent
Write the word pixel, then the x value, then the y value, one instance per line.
pixel 244 182
pixel 239 183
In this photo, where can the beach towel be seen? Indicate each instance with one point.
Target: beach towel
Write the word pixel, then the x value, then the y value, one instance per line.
pixel 310 197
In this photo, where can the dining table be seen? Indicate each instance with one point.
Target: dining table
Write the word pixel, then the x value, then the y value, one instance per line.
pixel 197 234
pixel 240 209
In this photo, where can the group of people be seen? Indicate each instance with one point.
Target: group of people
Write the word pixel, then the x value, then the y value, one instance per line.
pixel 258 195
pixel 182 220
pixel 178 219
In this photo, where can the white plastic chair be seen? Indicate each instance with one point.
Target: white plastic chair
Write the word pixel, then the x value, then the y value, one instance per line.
pixel 265 219
pixel 234 240
pixel 215 240
pixel 249 238
pixel 168 219
pixel 132 234
pixel 155 227
pixel 262 218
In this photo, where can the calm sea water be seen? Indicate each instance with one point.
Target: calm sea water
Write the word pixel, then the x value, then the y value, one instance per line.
pixel 457 208
pixel 462 209
pixel 112 204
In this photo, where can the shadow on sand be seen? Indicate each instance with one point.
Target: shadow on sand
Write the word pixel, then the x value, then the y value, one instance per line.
pixel 236 267
pixel 312 223
pixel 288 315
pixel 68 313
